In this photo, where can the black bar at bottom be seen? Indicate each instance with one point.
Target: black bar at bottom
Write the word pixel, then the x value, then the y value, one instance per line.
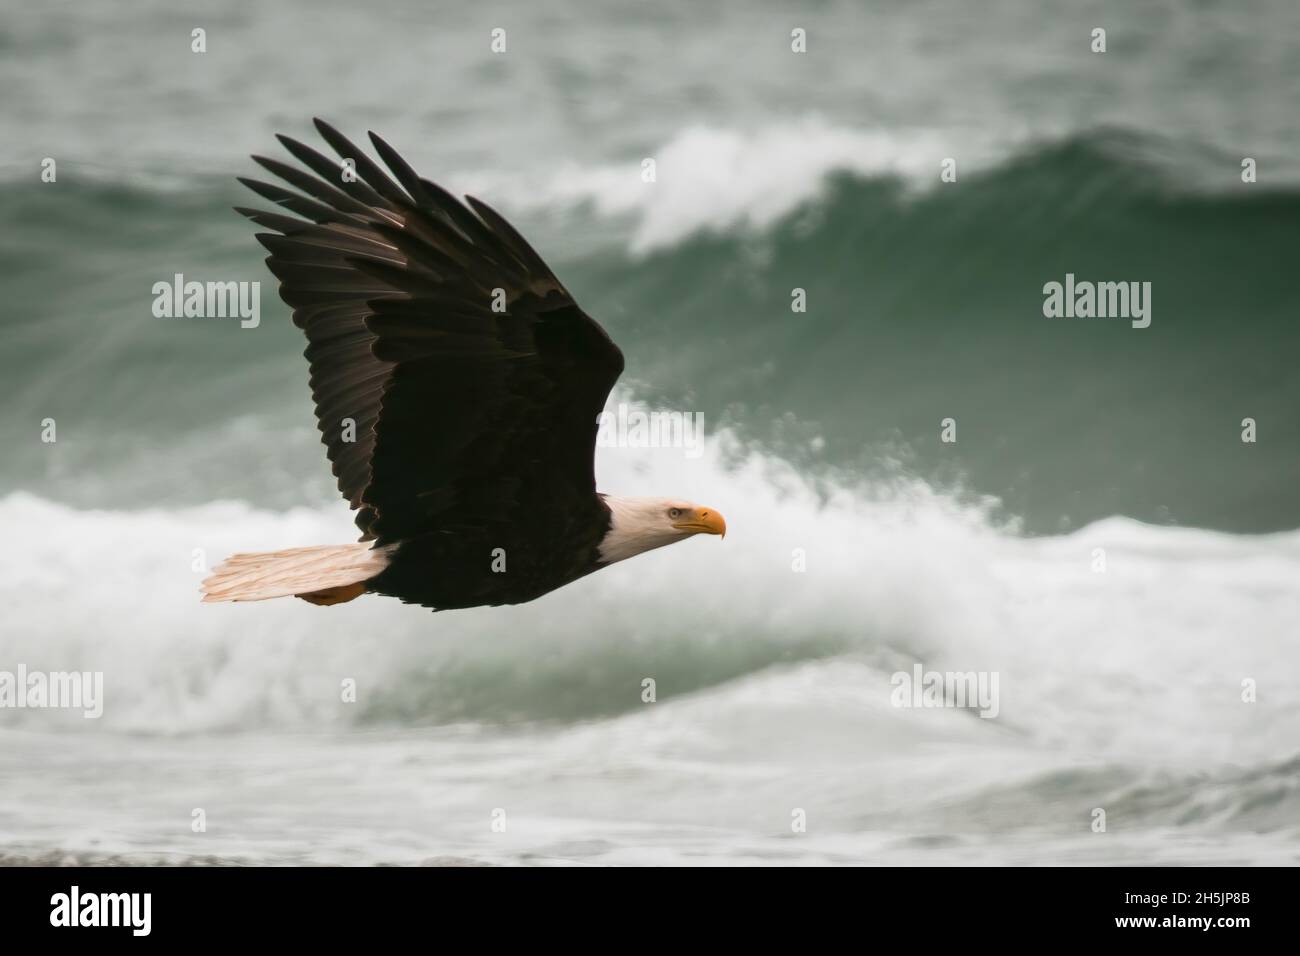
pixel 227 904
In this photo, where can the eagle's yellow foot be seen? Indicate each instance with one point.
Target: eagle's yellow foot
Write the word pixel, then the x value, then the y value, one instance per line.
pixel 339 595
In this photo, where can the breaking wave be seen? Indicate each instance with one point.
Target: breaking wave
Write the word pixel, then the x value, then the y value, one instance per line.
pixel 1142 660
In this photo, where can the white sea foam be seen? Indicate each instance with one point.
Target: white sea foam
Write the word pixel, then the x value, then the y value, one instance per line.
pixel 713 178
pixel 708 178
pixel 1143 661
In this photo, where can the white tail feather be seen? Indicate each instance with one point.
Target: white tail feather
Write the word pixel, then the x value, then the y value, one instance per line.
pixel 298 571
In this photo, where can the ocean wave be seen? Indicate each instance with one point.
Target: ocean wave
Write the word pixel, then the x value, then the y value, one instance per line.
pixel 1144 659
pixel 715 180
pixel 922 303
pixel 718 179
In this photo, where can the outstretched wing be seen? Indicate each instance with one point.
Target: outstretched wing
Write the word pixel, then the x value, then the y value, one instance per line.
pixel 450 368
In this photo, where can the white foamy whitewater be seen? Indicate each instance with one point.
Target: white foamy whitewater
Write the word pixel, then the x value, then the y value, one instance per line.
pixel 733 703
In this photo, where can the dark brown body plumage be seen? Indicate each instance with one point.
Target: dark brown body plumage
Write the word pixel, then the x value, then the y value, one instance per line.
pixel 466 375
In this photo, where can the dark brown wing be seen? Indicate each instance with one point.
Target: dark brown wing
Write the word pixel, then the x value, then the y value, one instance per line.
pixel 460 413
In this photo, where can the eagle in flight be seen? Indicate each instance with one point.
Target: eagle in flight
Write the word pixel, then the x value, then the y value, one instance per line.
pixel 457 389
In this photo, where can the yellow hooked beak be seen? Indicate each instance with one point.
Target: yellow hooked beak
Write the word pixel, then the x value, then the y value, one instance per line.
pixel 702 521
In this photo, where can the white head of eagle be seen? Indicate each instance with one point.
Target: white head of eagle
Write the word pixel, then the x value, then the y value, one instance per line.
pixel 643 524
pixel 457 384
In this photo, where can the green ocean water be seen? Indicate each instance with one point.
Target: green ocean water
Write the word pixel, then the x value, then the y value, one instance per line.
pixel 817 172
pixel 920 308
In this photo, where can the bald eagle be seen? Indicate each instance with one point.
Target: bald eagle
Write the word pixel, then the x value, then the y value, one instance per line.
pixel 457 387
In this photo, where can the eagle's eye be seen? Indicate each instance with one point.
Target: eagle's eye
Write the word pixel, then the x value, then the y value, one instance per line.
pixel 674 512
